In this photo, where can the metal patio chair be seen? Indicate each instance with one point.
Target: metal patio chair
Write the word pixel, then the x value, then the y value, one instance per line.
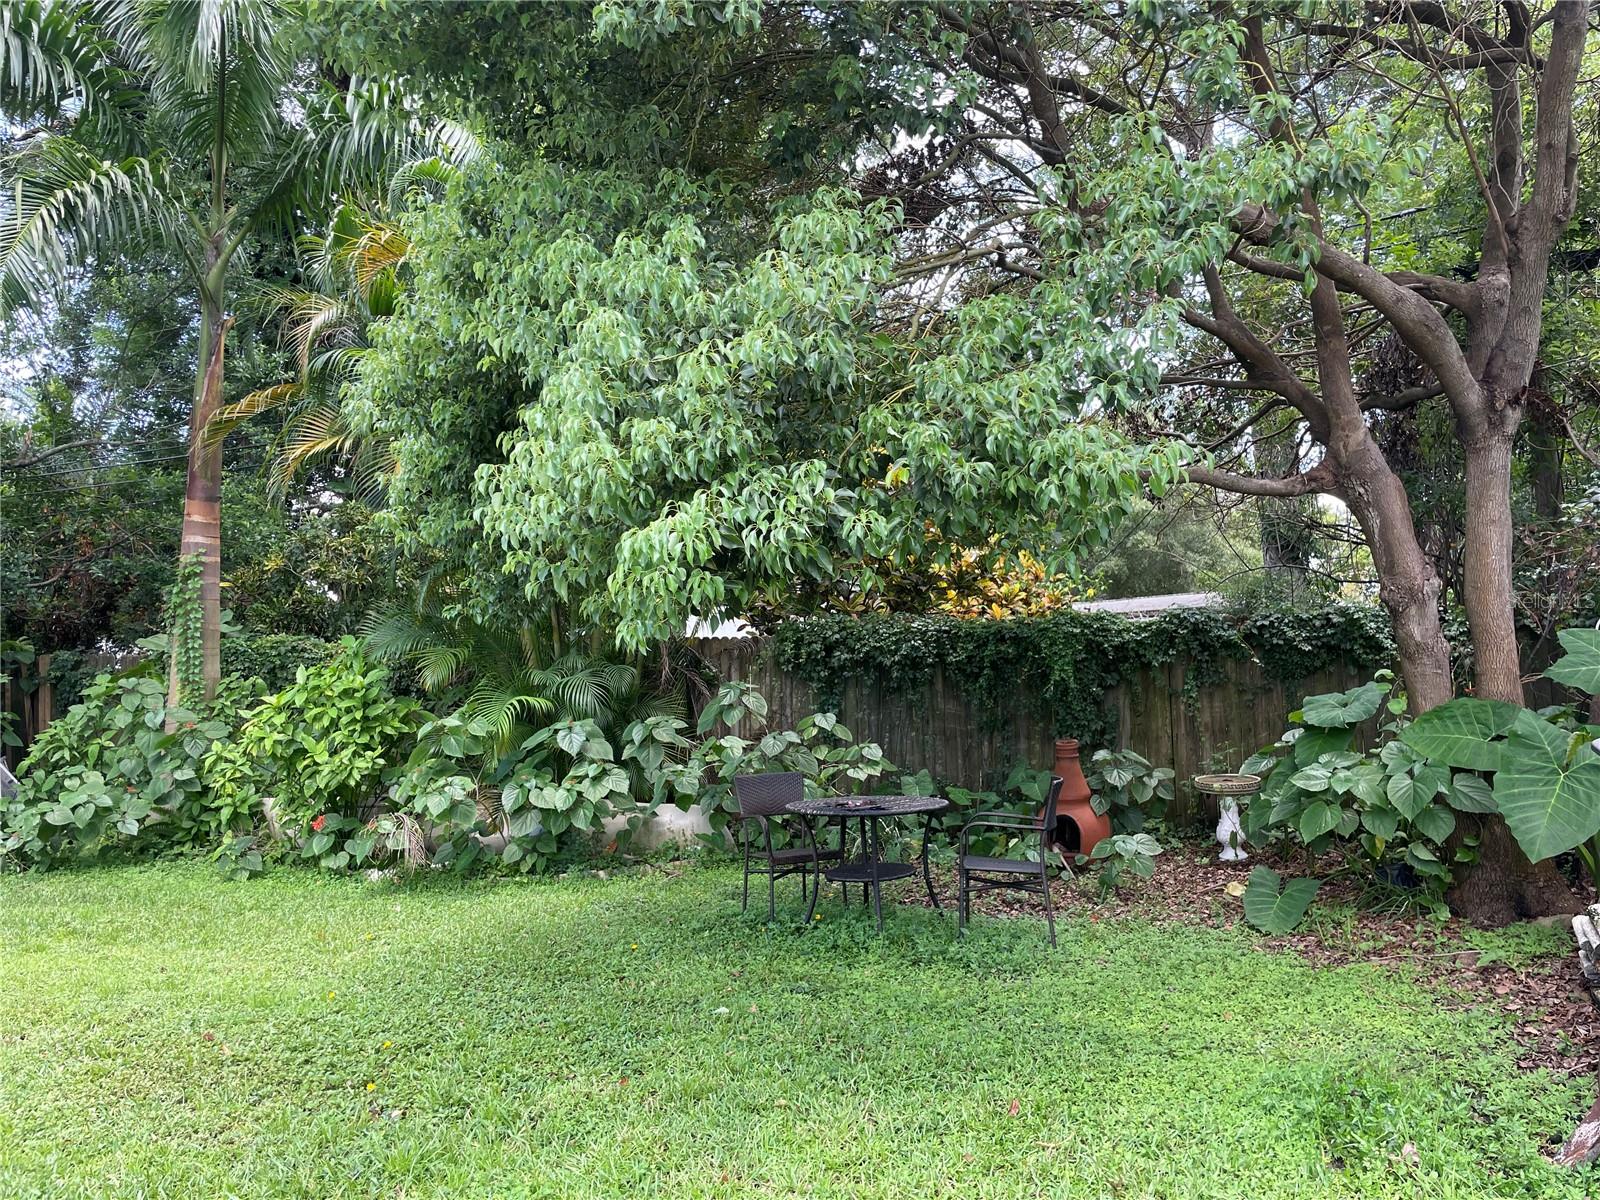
pixel 762 799
pixel 977 874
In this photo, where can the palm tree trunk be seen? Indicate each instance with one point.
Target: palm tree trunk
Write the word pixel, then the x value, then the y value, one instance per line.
pixel 202 508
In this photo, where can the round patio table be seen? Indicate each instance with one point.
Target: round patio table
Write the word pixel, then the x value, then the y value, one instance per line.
pixel 870 871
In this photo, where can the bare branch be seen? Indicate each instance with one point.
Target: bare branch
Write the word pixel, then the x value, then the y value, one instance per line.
pixel 1319 479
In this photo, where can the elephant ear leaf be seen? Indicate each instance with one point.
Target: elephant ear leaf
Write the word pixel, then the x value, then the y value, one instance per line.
pixel 1274 905
pixel 1458 734
pixel 1340 710
pixel 1579 667
pixel 1549 797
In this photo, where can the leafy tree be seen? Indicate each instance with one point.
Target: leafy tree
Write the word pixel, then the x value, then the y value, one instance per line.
pixel 192 125
pixel 1209 224
pixel 644 393
pixel 1256 161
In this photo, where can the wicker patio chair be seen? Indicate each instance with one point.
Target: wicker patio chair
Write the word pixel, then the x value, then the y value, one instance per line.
pixel 977 874
pixel 763 799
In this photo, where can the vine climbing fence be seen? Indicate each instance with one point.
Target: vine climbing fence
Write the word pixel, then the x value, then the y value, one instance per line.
pixel 969 700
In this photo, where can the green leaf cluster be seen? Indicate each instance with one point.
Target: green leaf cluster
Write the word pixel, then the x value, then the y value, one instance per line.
pixel 119 764
pixel 325 744
pixel 1388 811
pixel 1062 665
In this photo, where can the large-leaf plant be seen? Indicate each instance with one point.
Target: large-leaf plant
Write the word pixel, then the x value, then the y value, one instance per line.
pixel 820 748
pixel 320 752
pixel 115 765
pixel 1546 773
pixel 1389 811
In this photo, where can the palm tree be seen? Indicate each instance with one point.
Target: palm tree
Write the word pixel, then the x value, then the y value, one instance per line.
pixel 509 677
pixel 192 124
pixel 352 271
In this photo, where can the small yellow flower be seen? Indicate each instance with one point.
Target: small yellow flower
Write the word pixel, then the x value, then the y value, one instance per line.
pixel 331 995
pixel 817 917
pixel 386 1045
pixel 635 946
pixel 372 1087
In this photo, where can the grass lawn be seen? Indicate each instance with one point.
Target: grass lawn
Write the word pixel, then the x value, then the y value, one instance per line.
pixel 164 1033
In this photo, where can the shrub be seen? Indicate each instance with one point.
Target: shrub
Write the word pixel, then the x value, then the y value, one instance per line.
pixel 1122 854
pixel 118 763
pixel 1387 812
pixel 321 748
pixel 1126 785
pixel 820 747
pixel 273 658
pixel 564 777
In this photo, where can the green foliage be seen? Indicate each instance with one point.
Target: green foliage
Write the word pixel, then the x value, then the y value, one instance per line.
pixel 1123 854
pixel 239 858
pixel 507 677
pixel 183 629
pixel 323 745
pixel 273 658
pixel 1462 732
pixel 668 411
pixel 1340 710
pixel 1548 786
pixel 820 747
pixel 1126 785
pixel 114 766
pixel 1387 811
pixel 1062 665
pixel 1546 773
pixel 1580 666
pixel 1274 905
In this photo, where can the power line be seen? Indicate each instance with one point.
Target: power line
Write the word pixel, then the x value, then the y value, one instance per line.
pixel 111 466
pixel 38 493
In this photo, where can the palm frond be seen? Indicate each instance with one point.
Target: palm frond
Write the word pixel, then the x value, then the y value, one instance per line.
pixel 393 635
pixel 336 364
pixel 220 67
pixel 500 710
pixel 459 146
pixel 312 432
pixel 267 399
pixel 61 204
pixel 55 57
pixel 372 468
pixel 439 665
pixel 377 253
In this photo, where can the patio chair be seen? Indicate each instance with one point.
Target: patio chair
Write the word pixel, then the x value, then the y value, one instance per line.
pixel 763 798
pixel 977 874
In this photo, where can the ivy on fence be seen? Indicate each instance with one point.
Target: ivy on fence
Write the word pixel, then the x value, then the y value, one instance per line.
pixel 1062 665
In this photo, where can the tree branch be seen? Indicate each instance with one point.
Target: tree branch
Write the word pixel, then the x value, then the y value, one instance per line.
pixel 44 455
pixel 1319 479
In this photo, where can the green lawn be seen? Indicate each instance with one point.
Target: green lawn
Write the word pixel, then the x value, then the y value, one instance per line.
pixel 163 1033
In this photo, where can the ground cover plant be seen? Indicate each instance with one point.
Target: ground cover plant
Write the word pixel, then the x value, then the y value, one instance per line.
pixel 166 1033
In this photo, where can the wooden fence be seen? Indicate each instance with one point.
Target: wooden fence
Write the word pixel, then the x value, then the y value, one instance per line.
pixel 28 698
pixel 937 728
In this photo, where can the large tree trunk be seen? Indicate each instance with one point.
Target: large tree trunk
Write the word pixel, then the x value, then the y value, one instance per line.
pixel 1488 594
pixel 202 508
pixel 1408 586
pixel 1503 886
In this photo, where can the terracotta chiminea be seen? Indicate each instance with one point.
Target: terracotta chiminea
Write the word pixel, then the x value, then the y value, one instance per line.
pixel 1078 827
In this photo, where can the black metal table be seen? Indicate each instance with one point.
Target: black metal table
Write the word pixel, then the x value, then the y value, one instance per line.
pixel 870 871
